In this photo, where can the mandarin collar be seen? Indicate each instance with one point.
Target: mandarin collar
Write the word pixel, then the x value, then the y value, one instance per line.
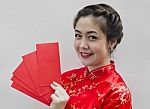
pixel 99 71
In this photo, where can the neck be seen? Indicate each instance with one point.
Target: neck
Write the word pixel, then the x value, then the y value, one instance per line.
pixel 104 63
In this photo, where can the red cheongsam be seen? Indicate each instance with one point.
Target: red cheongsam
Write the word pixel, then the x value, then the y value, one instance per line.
pixel 102 88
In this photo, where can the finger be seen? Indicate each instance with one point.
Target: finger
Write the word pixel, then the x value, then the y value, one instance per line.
pixel 62 92
pixel 58 93
pixel 54 87
pixel 56 84
pixel 59 86
pixel 61 95
pixel 54 98
pixel 65 96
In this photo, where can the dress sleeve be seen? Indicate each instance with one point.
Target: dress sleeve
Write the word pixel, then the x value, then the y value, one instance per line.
pixel 119 97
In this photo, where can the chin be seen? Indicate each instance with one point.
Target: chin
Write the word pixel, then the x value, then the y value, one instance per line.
pixel 85 63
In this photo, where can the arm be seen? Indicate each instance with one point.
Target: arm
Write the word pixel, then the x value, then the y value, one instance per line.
pixel 59 98
pixel 118 98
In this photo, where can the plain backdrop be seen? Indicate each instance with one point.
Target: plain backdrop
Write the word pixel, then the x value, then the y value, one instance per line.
pixel 24 23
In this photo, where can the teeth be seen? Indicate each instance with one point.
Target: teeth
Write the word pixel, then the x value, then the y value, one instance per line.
pixel 85 54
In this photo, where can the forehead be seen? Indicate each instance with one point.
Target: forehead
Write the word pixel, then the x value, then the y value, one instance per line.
pixel 88 23
pixel 85 21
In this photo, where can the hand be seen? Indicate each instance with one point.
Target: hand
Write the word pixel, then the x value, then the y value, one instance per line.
pixel 59 98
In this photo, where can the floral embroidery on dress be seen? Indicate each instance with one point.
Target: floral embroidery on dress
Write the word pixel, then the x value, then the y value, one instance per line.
pixel 101 88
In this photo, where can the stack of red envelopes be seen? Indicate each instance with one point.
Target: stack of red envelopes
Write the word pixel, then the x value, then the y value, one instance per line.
pixel 37 71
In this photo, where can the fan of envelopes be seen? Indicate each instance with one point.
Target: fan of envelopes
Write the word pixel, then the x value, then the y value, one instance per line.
pixel 37 71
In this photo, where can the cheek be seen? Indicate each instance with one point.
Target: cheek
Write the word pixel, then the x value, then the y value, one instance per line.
pixel 96 47
pixel 76 45
pixel 100 49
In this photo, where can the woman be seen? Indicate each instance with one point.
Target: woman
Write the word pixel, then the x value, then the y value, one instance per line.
pixel 97 85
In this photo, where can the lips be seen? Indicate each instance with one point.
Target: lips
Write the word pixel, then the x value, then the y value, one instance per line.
pixel 85 55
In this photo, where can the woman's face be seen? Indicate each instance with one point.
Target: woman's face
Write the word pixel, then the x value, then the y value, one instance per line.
pixel 91 44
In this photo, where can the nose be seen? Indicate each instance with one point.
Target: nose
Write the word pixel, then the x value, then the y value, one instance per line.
pixel 83 44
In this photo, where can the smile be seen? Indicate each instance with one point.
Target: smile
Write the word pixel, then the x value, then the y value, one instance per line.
pixel 85 55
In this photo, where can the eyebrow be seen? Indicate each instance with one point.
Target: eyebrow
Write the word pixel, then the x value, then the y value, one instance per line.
pixel 87 32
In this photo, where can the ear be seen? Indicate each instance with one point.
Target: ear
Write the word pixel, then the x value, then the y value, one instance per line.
pixel 112 44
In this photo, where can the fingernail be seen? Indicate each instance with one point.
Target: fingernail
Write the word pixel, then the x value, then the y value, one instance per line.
pixel 51 84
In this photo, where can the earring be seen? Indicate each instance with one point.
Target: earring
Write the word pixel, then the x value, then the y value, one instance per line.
pixel 110 50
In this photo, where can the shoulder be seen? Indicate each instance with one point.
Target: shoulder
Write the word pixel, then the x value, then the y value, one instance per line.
pixel 115 78
pixel 119 98
pixel 119 95
pixel 118 85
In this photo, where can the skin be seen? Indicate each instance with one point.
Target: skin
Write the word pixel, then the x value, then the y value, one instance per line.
pixel 91 44
pixel 59 98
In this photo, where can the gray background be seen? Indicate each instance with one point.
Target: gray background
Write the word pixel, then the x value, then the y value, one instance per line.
pixel 23 23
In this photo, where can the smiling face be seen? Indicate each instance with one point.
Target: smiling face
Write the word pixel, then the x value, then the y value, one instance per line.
pixel 91 44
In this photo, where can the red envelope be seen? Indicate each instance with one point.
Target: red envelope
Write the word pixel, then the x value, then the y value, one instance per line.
pixel 22 74
pixel 45 98
pixel 21 89
pixel 30 61
pixel 16 80
pixel 48 63
pixel 37 71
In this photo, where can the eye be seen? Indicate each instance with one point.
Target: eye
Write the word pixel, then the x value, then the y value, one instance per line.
pixel 91 37
pixel 78 36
